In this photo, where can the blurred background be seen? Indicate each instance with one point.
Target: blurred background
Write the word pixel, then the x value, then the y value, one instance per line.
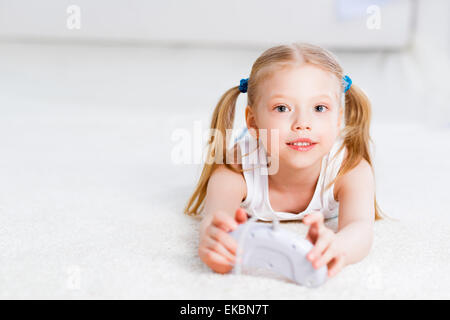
pixel 91 93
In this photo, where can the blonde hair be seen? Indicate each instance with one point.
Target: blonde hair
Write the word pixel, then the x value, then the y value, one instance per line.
pixel 356 135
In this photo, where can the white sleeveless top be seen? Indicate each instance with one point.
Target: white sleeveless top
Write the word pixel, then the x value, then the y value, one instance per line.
pixel 254 164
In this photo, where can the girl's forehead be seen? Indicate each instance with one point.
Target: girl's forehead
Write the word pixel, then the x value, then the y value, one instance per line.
pixel 305 81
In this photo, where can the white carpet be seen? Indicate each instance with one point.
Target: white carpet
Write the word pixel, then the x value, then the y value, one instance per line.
pixel 91 203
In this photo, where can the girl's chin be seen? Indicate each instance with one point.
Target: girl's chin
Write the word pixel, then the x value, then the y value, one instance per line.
pixel 300 161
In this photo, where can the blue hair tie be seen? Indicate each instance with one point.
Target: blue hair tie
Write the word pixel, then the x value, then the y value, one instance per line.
pixel 243 85
pixel 347 82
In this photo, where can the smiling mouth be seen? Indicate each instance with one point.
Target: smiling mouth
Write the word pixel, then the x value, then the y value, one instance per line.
pixel 301 145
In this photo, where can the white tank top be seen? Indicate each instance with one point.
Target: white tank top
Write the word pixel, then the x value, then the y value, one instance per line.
pixel 254 164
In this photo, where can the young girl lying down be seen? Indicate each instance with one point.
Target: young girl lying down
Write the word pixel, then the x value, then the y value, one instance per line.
pixel 305 157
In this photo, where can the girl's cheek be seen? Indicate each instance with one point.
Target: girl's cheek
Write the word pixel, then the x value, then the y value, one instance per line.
pixel 272 141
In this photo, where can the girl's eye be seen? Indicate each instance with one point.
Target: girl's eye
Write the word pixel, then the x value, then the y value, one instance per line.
pixel 321 108
pixel 281 108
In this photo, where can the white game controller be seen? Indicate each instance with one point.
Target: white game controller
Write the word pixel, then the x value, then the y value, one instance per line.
pixel 280 251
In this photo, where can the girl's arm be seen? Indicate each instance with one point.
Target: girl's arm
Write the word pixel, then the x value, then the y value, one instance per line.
pixel 225 191
pixel 352 242
pixel 356 212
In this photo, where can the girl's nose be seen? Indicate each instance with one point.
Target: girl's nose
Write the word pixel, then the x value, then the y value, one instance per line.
pixel 302 126
pixel 302 121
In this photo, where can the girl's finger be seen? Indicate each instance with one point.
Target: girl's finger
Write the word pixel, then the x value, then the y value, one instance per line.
pixel 312 235
pixel 308 237
pixel 216 246
pixel 316 217
pixel 215 261
pixel 240 215
pixel 224 221
pixel 321 244
pixel 326 257
pixel 335 266
pixel 224 238
pixel 315 220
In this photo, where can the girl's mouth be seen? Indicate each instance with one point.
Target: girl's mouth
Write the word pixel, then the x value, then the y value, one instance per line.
pixel 301 144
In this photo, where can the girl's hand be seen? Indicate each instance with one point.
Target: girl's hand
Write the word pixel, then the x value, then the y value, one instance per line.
pixel 217 248
pixel 325 251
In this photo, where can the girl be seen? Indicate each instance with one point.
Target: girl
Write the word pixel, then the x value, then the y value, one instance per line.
pixel 319 162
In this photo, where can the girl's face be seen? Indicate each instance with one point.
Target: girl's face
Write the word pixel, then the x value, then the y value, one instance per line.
pixel 297 102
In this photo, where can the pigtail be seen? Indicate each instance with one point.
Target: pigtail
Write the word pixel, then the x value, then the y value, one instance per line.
pixel 356 134
pixel 222 119
pixel 357 126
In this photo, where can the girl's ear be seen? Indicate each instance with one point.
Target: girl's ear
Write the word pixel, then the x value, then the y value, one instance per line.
pixel 251 121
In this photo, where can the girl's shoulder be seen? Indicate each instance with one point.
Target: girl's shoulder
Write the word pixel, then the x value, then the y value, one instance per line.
pixel 232 170
pixel 354 177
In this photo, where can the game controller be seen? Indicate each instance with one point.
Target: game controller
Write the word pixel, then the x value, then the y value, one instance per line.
pixel 262 246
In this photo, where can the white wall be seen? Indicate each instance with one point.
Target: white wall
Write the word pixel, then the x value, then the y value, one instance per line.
pixel 430 56
pixel 334 23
